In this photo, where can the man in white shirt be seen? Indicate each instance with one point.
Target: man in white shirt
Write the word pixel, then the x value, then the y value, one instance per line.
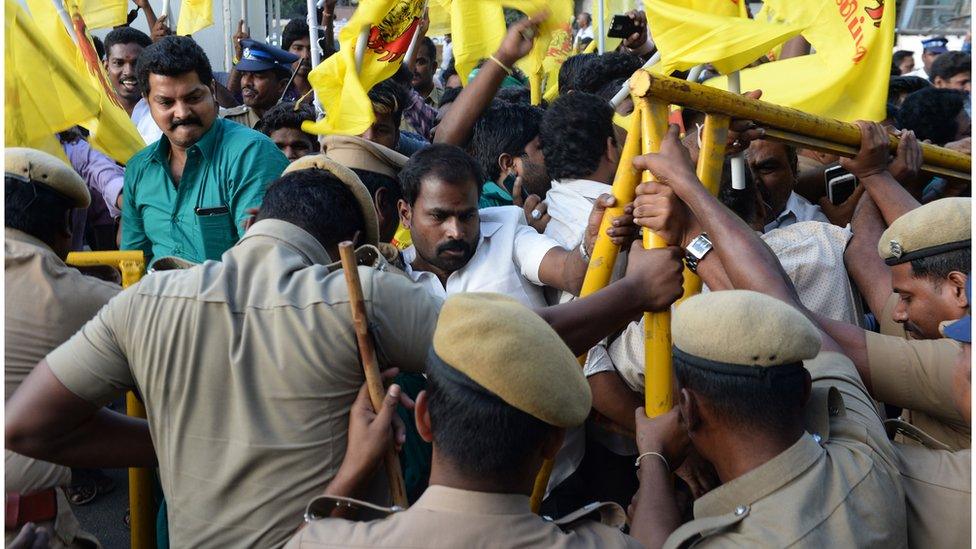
pixel 585 23
pixel 774 167
pixel 457 248
pixel 122 49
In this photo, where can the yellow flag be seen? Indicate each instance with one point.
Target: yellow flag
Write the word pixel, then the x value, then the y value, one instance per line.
pixel 477 29
pixel 342 91
pixel 728 8
pixel 102 14
pixel 551 41
pixel 194 15
pixel 846 78
pixel 439 12
pixel 686 37
pixel 44 95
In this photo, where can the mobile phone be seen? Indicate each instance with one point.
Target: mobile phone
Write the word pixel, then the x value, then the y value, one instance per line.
pixel 622 27
pixel 219 210
pixel 840 184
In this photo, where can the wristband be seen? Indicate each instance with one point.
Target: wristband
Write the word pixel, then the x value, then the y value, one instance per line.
pixel 500 64
pixel 645 454
pixel 582 250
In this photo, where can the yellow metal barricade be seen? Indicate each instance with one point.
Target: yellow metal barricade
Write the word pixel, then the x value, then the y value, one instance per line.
pixel 142 530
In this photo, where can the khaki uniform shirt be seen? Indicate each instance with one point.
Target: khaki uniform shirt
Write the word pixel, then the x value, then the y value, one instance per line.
pixel 838 486
pixel 916 374
pixel 938 490
pixel 248 368
pixel 242 114
pixel 448 517
pixel 46 302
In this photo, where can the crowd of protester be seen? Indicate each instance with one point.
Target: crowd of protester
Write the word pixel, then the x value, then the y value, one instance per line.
pixel 822 378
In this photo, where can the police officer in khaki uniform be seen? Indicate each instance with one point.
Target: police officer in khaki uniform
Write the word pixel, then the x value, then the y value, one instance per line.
pixel 764 396
pixel 46 303
pixel 938 482
pixel 502 389
pixel 264 72
pixel 247 367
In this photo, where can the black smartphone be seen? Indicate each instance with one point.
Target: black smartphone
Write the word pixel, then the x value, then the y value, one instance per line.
pixel 840 184
pixel 219 210
pixel 622 27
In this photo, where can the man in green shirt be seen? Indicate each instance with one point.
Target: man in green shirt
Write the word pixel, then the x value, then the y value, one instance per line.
pixel 188 194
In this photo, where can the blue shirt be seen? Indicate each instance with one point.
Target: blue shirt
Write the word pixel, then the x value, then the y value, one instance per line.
pixel 226 172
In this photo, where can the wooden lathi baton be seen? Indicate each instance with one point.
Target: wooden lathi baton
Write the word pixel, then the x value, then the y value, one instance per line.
pixel 367 355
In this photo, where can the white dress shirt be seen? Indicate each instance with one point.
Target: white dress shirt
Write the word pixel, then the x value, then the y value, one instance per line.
pixel 570 202
pixel 797 210
pixel 144 122
pixel 506 260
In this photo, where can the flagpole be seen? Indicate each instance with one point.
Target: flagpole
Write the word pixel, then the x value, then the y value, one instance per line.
pixel 228 46
pixel 412 48
pixel 243 14
pixel 625 89
pixel 361 42
pixel 169 20
pixel 313 34
pixel 602 38
pixel 738 162
pixel 694 73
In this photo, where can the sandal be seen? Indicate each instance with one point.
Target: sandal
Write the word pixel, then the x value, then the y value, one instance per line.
pixel 82 491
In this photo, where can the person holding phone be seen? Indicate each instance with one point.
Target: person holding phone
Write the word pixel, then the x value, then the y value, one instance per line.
pixel 187 195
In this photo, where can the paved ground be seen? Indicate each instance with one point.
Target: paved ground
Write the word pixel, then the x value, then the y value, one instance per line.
pixel 104 516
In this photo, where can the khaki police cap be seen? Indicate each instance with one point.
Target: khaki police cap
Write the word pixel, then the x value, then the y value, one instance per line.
pixel 362 154
pixel 352 181
pixel 937 227
pixel 48 170
pixel 725 330
pixel 510 351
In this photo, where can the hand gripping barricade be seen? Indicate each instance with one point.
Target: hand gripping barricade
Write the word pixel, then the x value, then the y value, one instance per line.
pixel 132 265
pixel 652 94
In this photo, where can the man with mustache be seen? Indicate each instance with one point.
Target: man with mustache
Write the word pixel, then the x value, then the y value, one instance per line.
pixel 187 195
pixel 457 248
pixel 264 73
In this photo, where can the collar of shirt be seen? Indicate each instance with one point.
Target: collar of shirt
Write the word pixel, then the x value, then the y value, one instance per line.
pixel 27 242
pixel 206 144
pixel 453 500
pixel 488 229
pixel 291 236
pixel 761 481
pixel 797 209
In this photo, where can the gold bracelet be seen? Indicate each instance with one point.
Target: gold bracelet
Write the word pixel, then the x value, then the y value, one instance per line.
pixel 645 454
pixel 500 64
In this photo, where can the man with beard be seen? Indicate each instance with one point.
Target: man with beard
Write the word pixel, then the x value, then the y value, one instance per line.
pixel 264 73
pixel 122 49
pixel 187 195
pixel 457 248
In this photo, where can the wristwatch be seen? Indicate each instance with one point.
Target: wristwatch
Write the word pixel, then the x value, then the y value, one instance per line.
pixel 697 249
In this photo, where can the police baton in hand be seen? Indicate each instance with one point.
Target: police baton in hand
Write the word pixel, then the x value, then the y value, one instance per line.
pixel 367 355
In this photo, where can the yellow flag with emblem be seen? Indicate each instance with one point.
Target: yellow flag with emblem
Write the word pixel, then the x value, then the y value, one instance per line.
pixel 553 42
pixel 342 91
pixel 846 78
pixel 194 15
pixel 103 14
pixel 686 37
pixel 477 29
pixel 111 130
pixel 44 94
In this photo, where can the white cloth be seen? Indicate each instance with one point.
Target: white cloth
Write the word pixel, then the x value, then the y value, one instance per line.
pixel 144 122
pixel 797 210
pixel 581 34
pixel 570 202
pixel 506 260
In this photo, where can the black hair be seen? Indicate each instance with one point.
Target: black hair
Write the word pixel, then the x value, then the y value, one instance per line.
pixel 514 94
pixel 390 97
pixel 285 115
pixel 950 64
pixel 296 29
pixel 570 69
pixel 126 35
pixel 574 133
pixel 447 73
pixel 316 201
pixel 931 113
pixel 900 55
pixel 173 56
pixel 606 72
pixel 427 43
pixel 774 403
pixel 906 84
pixel 35 209
pixel 480 434
pixel 448 163
pixel 937 267
pixel 449 96
pixel 375 181
pixel 100 48
pixel 503 128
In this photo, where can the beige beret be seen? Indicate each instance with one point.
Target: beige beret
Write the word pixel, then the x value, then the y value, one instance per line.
pixel 349 177
pixel 362 154
pixel 743 328
pixel 510 351
pixel 937 227
pixel 48 170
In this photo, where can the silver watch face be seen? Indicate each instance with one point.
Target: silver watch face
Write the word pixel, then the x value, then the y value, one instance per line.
pixel 699 246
